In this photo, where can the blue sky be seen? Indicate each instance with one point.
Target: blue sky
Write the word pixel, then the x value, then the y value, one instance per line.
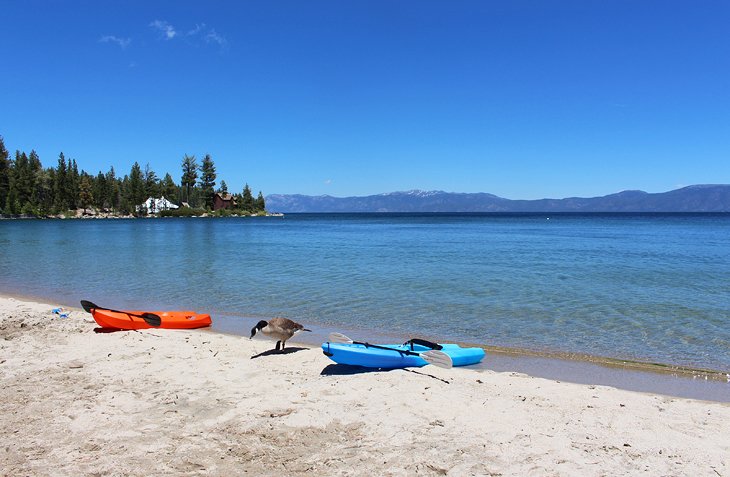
pixel 523 99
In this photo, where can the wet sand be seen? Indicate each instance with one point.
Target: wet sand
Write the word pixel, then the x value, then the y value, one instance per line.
pixel 574 368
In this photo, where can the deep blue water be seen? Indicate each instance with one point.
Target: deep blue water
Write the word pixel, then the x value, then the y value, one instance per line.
pixel 649 287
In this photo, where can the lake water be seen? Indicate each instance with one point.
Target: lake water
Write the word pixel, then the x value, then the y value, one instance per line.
pixel 643 287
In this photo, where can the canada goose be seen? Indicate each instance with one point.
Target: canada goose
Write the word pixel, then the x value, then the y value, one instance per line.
pixel 278 328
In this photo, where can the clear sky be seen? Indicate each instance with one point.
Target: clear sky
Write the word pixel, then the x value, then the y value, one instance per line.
pixel 523 99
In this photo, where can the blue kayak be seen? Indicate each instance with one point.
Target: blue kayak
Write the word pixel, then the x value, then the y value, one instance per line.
pixel 397 356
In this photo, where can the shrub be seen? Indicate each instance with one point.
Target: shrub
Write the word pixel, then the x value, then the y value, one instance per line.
pixel 182 212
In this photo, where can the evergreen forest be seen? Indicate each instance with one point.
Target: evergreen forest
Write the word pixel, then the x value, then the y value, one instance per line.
pixel 28 189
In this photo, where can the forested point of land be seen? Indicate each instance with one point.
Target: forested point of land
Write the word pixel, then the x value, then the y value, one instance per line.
pixel 28 189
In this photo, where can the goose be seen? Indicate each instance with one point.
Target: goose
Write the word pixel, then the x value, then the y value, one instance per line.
pixel 278 328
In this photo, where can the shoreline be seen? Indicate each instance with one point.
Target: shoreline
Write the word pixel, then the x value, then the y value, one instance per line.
pixel 615 363
pixel 197 402
pixel 632 375
pixel 108 216
pixel 620 363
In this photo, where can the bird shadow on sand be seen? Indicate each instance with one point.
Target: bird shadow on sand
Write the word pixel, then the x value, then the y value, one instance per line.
pixel 274 352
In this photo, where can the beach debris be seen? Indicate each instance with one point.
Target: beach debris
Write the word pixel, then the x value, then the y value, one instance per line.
pixel 437 470
pixel 60 312
pixel 75 365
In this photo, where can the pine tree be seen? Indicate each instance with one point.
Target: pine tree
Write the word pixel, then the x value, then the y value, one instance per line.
pixel 207 180
pixel 151 185
pixel 117 199
pixel 260 203
pixel 73 177
pixel 40 188
pixel 114 197
pixel 247 199
pixel 135 187
pixel 169 188
pixel 86 196
pixel 12 204
pixel 21 185
pixel 100 190
pixel 190 174
pixel 44 188
pixel 4 174
pixel 224 188
pixel 125 206
pixel 59 185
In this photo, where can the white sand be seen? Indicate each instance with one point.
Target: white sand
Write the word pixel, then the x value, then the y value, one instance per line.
pixel 161 402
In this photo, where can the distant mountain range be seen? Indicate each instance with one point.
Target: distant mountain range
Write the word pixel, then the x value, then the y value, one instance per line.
pixel 696 198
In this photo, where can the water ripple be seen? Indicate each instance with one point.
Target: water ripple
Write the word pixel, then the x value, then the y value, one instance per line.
pixel 653 288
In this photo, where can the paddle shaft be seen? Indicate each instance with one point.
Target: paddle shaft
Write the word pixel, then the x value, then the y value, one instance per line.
pixel 402 351
pixel 149 318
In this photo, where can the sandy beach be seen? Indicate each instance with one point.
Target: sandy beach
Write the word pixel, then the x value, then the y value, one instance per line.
pixel 162 402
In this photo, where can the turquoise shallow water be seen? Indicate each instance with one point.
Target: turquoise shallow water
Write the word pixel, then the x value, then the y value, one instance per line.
pixel 647 287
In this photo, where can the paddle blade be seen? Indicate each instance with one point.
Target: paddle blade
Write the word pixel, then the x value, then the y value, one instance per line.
pixel 87 306
pixel 152 319
pixel 335 337
pixel 438 358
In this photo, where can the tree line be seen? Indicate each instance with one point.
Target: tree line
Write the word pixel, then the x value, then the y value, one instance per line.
pixel 27 188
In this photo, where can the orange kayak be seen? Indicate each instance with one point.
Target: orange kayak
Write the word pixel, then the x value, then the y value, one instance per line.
pixel 124 320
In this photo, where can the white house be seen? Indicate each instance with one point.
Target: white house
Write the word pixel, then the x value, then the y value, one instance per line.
pixel 152 205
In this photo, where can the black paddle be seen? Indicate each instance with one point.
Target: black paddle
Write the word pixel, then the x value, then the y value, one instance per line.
pixel 149 318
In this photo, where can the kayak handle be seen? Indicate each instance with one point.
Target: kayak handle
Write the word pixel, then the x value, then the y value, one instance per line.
pixel 427 344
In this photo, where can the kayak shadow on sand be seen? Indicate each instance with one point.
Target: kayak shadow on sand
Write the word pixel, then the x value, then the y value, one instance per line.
pixel 274 352
pixel 347 370
pixel 99 329
pixel 108 330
